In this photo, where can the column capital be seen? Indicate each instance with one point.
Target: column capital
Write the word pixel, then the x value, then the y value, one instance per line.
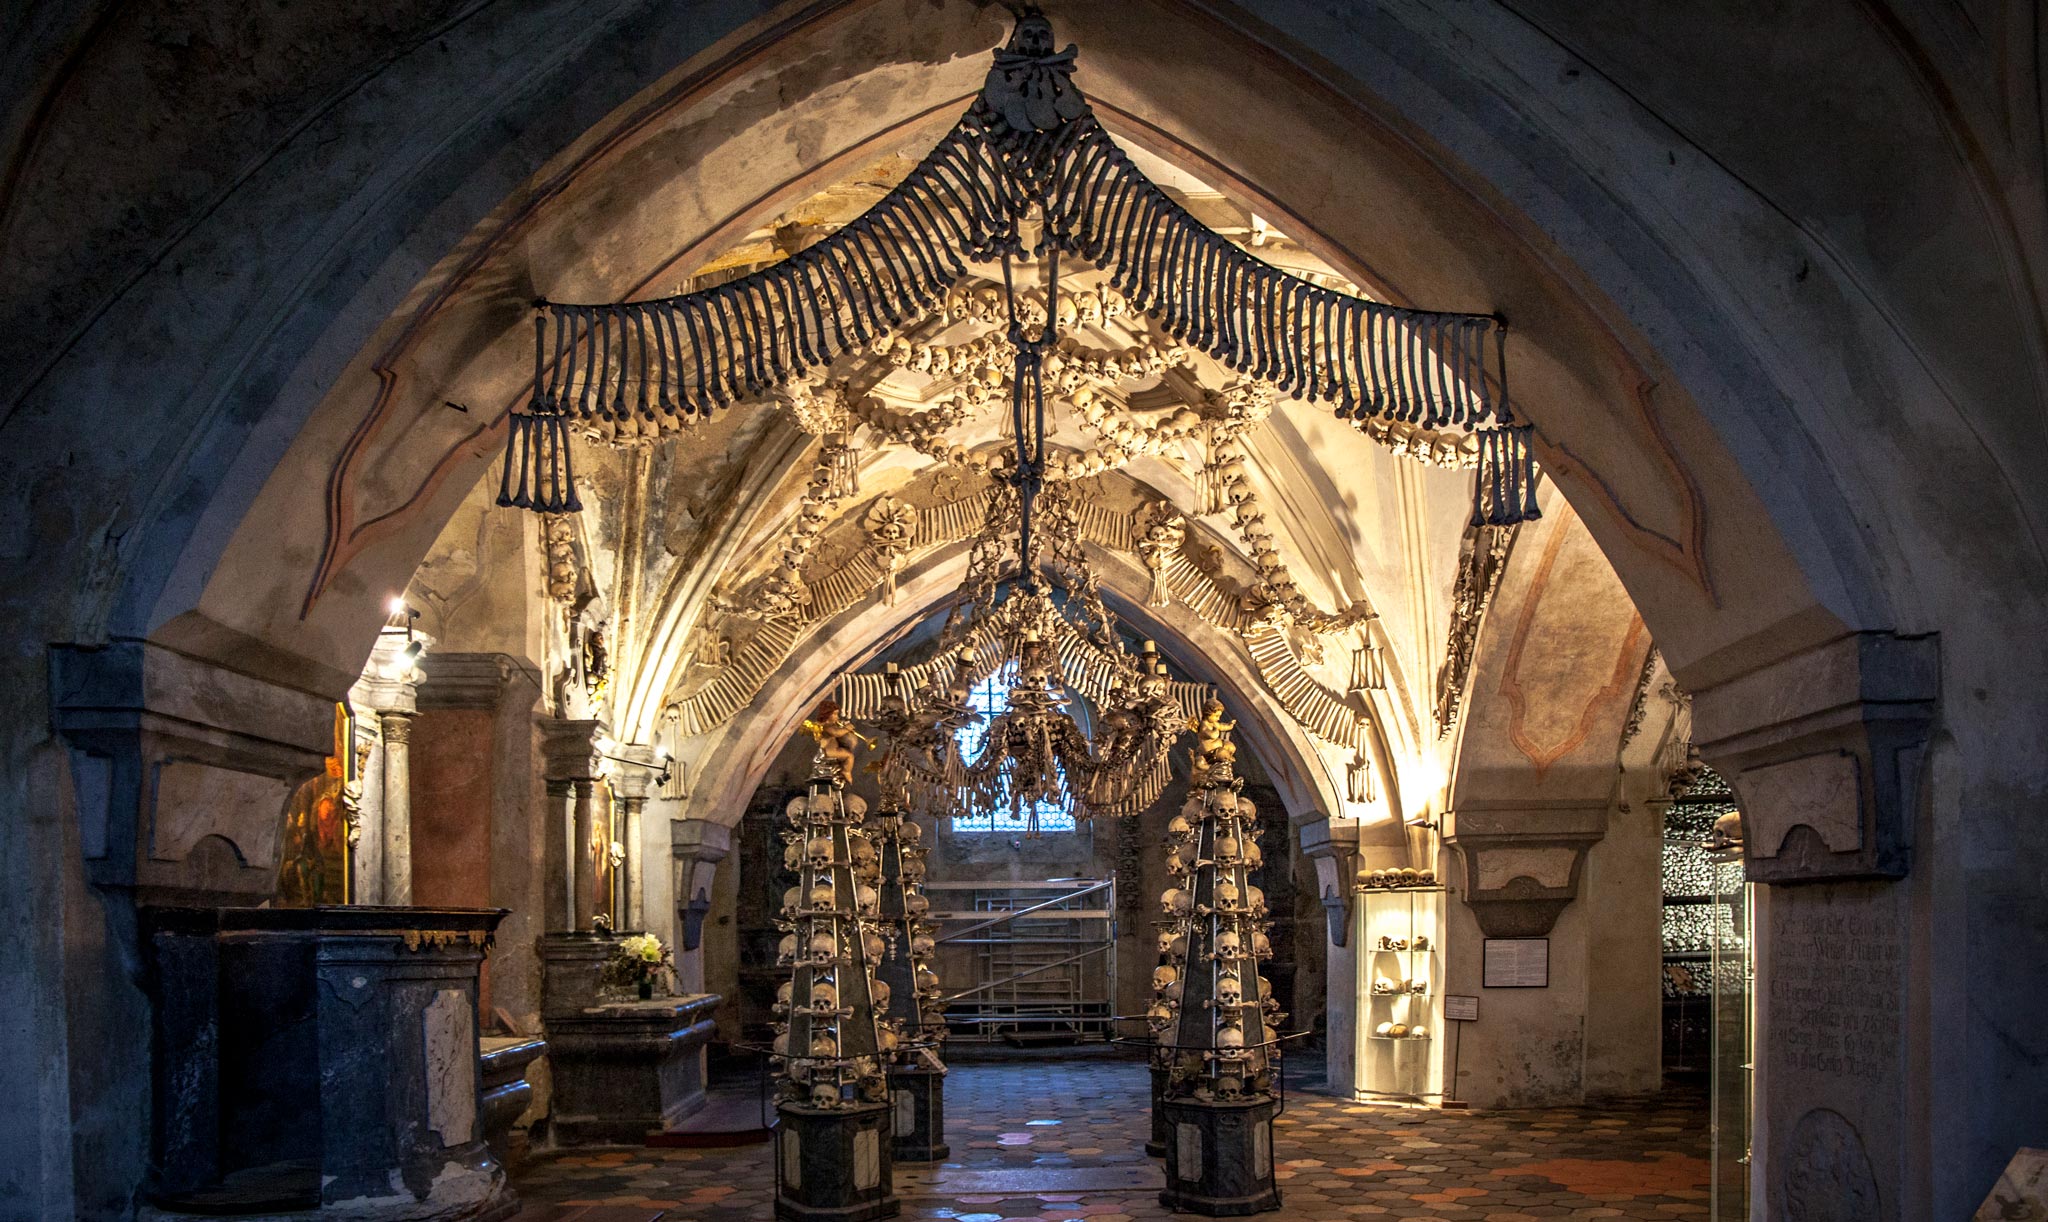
pixel 569 749
pixel 1825 752
pixel 633 771
pixel 471 680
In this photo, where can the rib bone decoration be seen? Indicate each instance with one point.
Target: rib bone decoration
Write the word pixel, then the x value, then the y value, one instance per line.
pixel 1028 173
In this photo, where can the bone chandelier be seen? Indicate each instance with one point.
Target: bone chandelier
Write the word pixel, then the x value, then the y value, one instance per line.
pixel 1028 173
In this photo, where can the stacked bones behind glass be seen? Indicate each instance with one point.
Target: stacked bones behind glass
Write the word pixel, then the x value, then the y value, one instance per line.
pixel 1226 1018
pixel 829 1051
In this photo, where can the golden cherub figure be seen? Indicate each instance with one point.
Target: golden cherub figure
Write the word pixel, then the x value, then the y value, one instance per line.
pixel 835 736
pixel 1214 752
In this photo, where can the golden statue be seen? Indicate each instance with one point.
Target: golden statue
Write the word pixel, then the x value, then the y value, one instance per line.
pixel 1213 752
pixel 836 737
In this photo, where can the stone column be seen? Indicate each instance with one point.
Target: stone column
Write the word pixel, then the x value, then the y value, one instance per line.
pixel 632 780
pixel 384 700
pixel 1333 847
pixel 397 726
pixel 572 770
pixel 696 846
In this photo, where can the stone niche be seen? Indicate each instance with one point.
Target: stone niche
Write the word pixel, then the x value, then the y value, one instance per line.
pixel 1824 750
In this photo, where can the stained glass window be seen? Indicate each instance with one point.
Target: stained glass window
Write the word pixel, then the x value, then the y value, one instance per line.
pixel 990 698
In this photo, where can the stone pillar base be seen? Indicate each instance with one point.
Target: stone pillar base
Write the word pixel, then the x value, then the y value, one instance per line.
pixel 833 1164
pixel 1219 1157
pixel 920 1120
pixel 1156 1147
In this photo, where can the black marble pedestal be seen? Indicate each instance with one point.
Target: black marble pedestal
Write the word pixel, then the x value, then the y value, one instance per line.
pixel 321 1060
pixel 833 1164
pixel 506 1092
pixel 623 1070
pixel 1219 1157
pixel 920 1121
pixel 1156 1147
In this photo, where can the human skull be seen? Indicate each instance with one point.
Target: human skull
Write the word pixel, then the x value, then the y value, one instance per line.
pixel 1159 1016
pixel 1226 893
pixel 785 950
pixel 823 1045
pixel 780 1045
pixel 1247 809
pixel 879 993
pixel 783 992
pixel 824 948
pixel 885 1039
pixel 1179 826
pixel 1230 1038
pixel 789 900
pixel 1176 902
pixel 912 870
pixel 1265 987
pixel 1262 946
pixel 916 905
pixel 795 810
pixel 1228 945
pixel 927 979
pixel 819 851
pixel 825 1094
pixel 821 896
pixel 922 946
pixel 824 996
pixel 1253 855
pixel 1255 899
pixel 1229 993
pixel 862 853
pixel 1226 849
pixel 910 832
pixel 793 856
pixel 875 947
pixel 1165 941
pixel 1162 977
pixel 1418 1031
pixel 867 899
pixel 1178 948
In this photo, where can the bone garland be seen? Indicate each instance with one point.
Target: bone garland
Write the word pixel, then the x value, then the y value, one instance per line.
pixel 1482 558
pixel 660 363
pixel 1276 583
pixel 829 1049
pixel 784 594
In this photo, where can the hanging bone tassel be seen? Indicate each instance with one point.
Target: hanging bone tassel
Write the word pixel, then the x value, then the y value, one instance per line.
pixel 1368 667
pixel 1358 786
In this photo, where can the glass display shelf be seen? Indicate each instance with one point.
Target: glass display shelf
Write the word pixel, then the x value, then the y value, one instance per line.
pixel 1399 935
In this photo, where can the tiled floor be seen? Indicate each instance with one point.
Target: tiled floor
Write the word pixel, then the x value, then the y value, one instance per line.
pixel 1040 1141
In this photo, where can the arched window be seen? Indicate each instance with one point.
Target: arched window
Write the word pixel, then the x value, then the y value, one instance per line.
pixel 990 698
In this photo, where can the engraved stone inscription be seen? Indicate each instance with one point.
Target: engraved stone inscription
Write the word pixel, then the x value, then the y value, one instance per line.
pixel 1834 991
pixel 1190 1151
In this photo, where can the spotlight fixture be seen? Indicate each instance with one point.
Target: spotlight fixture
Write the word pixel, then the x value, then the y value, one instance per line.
pixel 661 766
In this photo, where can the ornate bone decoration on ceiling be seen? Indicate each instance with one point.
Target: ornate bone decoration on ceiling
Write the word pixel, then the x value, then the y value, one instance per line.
pixel 1027 174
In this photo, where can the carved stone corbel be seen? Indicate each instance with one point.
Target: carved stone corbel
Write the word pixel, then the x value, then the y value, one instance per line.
pixel 1334 850
pixel 183 769
pixel 1521 866
pixel 697 846
pixel 1825 753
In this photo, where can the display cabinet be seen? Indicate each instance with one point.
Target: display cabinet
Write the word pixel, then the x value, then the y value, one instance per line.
pixel 1398 932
